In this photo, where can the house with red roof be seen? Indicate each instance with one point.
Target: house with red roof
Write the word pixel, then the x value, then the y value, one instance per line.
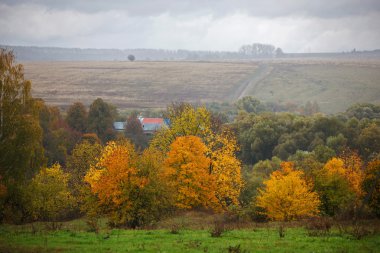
pixel 151 125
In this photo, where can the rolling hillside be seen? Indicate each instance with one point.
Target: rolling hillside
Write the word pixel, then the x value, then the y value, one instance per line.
pixel 334 84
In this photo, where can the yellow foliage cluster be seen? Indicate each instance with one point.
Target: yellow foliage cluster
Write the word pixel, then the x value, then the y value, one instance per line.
pixel 189 121
pixel 287 196
pixel 226 168
pixel 49 194
pixel 350 169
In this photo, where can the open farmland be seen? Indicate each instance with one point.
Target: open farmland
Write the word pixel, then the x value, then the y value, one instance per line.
pixel 136 84
pixel 334 84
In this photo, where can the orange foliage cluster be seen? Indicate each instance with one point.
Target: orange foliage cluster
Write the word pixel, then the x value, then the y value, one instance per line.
pixel 115 173
pixel 188 169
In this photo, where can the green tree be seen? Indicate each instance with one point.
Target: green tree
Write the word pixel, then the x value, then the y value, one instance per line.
pixel 364 110
pixel 100 119
pixel 77 117
pixel 250 105
pixel 58 138
pixel 135 133
pixel 83 156
pixel 337 143
pixel 369 140
pixel 255 176
pixel 21 150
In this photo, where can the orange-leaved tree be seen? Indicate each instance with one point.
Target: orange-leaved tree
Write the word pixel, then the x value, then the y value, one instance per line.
pixel 187 168
pixel 223 167
pixel 114 179
pixel 129 187
pixel 287 196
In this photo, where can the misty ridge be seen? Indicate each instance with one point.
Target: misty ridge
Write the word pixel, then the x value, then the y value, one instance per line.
pixel 245 52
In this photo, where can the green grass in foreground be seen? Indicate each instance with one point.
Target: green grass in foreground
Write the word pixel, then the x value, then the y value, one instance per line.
pixel 22 239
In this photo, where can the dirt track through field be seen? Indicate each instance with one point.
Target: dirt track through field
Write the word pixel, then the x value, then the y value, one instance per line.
pixel 248 86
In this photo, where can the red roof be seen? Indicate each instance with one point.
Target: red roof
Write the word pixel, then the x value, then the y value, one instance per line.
pixel 152 121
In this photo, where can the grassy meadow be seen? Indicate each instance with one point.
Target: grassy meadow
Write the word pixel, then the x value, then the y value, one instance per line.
pixel 334 84
pixel 185 233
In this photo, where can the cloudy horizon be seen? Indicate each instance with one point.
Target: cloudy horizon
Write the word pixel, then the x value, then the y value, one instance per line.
pixel 296 26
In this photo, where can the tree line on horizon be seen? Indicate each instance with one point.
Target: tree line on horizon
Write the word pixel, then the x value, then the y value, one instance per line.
pixel 279 166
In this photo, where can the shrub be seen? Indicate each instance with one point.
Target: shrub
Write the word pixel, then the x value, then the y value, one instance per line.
pixel 235 249
pixel 318 226
pixel 175 229
pixel 218 229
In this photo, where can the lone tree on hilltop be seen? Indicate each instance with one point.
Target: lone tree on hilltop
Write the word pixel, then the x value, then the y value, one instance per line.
pixel 131 57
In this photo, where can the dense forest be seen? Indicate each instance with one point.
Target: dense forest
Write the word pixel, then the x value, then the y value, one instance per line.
pixel 252 161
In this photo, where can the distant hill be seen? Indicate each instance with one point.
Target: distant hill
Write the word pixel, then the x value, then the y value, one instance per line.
pixel 26 53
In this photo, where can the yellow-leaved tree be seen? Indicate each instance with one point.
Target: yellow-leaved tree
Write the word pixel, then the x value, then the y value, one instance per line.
pixel 287 195
pixel 226 168
pixel 350 169
pixel 48 194
pixel 221 147
pixel 187 169
pixel 184 120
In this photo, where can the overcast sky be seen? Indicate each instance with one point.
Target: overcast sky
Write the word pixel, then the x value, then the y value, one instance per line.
pixel 293 25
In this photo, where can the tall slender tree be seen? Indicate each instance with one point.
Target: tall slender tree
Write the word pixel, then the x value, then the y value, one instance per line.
pixel 21 151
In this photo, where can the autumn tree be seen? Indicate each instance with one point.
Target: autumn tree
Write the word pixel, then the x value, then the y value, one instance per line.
pixel 156 199
pixel 113 179
pixel 350 167
pixel 226 168
pixel 221 147
pixel 48 194
pixel 187 168
pixel 335 192
pixel 287 196
pixel 184 120
pixel 339 184
pixel 128 187
pixel 254 176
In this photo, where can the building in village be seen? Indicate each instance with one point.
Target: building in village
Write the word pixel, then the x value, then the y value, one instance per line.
pixel 149 125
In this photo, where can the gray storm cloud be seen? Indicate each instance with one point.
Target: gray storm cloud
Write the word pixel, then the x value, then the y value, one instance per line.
pixel 295 26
